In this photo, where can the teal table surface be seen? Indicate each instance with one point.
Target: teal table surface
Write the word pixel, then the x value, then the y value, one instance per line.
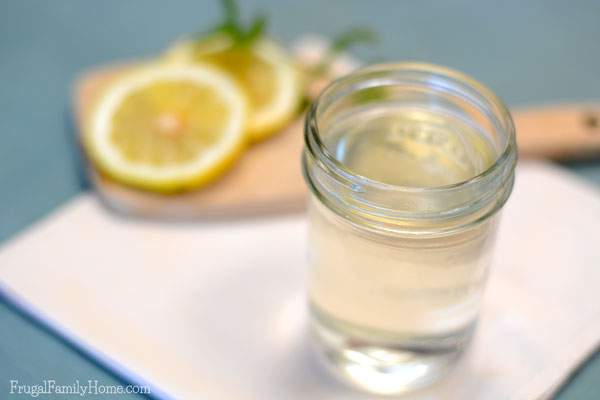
pixel 529 52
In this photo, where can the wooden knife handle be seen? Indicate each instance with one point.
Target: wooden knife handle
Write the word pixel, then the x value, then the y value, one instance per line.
pixel 560 132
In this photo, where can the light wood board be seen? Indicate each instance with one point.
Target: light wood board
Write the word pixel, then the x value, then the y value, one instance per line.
pixel 267 179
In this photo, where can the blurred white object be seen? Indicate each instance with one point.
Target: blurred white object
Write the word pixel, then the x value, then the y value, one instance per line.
pixel 309 50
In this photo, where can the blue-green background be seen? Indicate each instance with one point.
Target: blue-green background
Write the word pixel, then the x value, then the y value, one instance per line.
pixel 529 52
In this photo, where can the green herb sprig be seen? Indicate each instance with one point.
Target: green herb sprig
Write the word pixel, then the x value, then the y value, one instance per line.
pixel 352 37
pixel 232 25
pixel 343 42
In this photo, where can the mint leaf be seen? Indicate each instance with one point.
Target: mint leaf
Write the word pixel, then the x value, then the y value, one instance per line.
pixel 352 37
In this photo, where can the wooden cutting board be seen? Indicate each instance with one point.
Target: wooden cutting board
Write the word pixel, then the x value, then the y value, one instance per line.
pixel 268 177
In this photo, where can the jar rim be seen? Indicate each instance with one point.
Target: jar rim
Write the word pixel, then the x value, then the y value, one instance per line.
pixel 311 132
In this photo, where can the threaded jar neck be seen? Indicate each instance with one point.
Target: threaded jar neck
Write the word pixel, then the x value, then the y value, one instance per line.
pixel 410 209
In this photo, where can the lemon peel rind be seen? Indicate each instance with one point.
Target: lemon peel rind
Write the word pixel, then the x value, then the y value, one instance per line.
pixel 285 106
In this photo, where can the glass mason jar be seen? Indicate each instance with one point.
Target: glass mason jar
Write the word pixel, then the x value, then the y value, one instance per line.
pixel 408 165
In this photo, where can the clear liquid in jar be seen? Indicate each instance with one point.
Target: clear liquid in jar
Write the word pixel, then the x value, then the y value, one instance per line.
pixel 377 297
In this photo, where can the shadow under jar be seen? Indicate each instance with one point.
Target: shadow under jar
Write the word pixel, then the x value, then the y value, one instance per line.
pixel 408 165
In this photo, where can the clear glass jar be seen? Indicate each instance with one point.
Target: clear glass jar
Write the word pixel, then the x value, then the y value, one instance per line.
pixel 408 165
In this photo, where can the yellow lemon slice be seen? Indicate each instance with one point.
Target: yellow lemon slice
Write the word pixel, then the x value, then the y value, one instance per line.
pixel 263 69
pixel 167 127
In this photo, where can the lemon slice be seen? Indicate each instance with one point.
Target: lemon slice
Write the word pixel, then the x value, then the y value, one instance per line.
pixel 167 127
pixel 264 70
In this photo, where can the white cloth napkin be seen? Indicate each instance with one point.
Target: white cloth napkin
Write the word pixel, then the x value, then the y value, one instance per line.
pixel 216 310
